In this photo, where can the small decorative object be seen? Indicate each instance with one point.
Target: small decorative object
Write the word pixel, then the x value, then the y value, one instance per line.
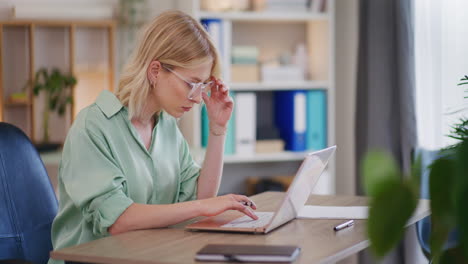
pixel 240 5
pixel 258 5
pixel 57 87
pixel 216 5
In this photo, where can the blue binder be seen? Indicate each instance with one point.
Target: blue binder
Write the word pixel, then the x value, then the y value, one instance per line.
pixel 214 27
pixel 316 137
pixel 290 118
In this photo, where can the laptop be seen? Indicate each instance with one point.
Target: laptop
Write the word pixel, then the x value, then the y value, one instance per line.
pixel 298 192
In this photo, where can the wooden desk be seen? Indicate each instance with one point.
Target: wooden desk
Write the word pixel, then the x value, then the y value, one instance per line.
pixel 318 241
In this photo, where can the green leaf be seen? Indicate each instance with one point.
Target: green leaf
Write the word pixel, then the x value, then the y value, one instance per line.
pixel 37 88
pixel 378 167
pixel 53 103
pixel 453 255
pixel 415 177
pixel 389 210
pixel 61 109
pixel 441 184
pixel 461 193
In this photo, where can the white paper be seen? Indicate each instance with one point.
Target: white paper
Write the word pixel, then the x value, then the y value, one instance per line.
pixel 355 212
pixel 333 212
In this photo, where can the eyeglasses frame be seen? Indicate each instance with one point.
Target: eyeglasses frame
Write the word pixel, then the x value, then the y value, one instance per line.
pixel 194 86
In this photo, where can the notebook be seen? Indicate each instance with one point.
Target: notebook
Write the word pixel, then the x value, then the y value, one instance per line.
pixel 248 253
pixel 293 201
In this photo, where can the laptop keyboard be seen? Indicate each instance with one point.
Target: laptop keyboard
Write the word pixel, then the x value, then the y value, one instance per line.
pixel 247 222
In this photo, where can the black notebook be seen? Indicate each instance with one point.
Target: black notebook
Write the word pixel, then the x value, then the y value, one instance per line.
pixel 248 253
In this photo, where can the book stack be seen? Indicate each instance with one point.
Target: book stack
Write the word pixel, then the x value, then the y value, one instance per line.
pixel 244 66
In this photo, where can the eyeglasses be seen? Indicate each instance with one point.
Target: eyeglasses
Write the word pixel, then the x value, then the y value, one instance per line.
pixel 195 88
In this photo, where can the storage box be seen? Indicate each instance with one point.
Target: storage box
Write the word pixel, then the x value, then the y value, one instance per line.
pixel 269 146
pixel 245 73
pixel 282 73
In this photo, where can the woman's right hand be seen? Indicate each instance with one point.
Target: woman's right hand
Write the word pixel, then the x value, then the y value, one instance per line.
pixel 216 205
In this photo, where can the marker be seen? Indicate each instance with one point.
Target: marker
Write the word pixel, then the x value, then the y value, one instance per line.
pixel 344 225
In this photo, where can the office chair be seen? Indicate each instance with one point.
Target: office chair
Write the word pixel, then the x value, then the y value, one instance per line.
pixel 423 227
pixel 27 200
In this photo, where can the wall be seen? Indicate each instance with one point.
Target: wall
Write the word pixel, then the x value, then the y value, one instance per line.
pixel 347 18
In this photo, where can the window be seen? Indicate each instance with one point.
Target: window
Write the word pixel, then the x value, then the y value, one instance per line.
pixel 441 53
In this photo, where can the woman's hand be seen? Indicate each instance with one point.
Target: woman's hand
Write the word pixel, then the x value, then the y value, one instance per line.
pixel 216 205
pixel 219 105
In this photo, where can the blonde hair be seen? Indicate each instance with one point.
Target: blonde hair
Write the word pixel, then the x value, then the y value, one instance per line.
pixel 173 38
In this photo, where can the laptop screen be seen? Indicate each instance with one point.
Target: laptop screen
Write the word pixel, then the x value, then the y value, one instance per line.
pixel 301 187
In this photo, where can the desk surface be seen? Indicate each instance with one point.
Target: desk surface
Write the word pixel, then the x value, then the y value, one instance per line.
pixel 318 241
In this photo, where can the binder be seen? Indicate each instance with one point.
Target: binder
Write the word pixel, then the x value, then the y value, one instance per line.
pixel 214 28
pixel 229 145
pixel 205 126
pixel 316 120
pixel 245 111
pixel 290 118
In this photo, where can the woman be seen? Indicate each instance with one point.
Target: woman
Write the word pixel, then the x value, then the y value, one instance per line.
pixel 125 164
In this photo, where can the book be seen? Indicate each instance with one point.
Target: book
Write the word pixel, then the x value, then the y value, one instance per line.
pixel 248 253
pixel 290 118
pixel 316 135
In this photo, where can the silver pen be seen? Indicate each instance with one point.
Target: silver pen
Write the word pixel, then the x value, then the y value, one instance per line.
pixel 344 225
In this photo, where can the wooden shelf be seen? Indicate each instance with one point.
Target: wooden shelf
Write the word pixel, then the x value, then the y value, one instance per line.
pixel 60 23
pixel 268 86
pixel 17 103
pixel 30 39
pixel 292 16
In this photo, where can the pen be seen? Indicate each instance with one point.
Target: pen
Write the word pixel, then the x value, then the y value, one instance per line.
pixel 344 225
pixel 247 203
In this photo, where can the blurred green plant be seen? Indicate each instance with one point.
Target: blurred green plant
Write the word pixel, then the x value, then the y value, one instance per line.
pixel 57 88
pixel 394 197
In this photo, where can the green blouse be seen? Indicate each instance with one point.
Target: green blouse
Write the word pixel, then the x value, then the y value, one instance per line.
pixel 105 167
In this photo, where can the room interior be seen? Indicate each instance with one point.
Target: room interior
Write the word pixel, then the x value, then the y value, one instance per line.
pixel 381 88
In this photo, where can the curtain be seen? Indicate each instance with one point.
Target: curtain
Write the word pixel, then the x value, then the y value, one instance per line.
pixel 385 116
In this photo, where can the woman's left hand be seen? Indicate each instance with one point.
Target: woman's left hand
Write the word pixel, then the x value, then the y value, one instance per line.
pixel 219 104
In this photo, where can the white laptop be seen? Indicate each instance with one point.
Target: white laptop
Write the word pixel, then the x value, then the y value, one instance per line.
pixel 295 198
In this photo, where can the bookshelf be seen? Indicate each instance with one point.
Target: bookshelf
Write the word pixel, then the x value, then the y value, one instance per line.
pixel 272 32
pixel 84 48
pixel 253 16
pixel 273 86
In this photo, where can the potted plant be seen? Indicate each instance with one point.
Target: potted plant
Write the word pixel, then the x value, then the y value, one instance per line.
pixel 394 198
pixel 57 88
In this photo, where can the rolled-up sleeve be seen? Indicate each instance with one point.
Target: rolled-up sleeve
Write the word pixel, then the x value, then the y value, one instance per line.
pixel 93 180
pixel 190 171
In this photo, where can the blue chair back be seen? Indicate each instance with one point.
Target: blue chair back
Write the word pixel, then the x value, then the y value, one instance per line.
pixel 27 200
pixel 423 227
